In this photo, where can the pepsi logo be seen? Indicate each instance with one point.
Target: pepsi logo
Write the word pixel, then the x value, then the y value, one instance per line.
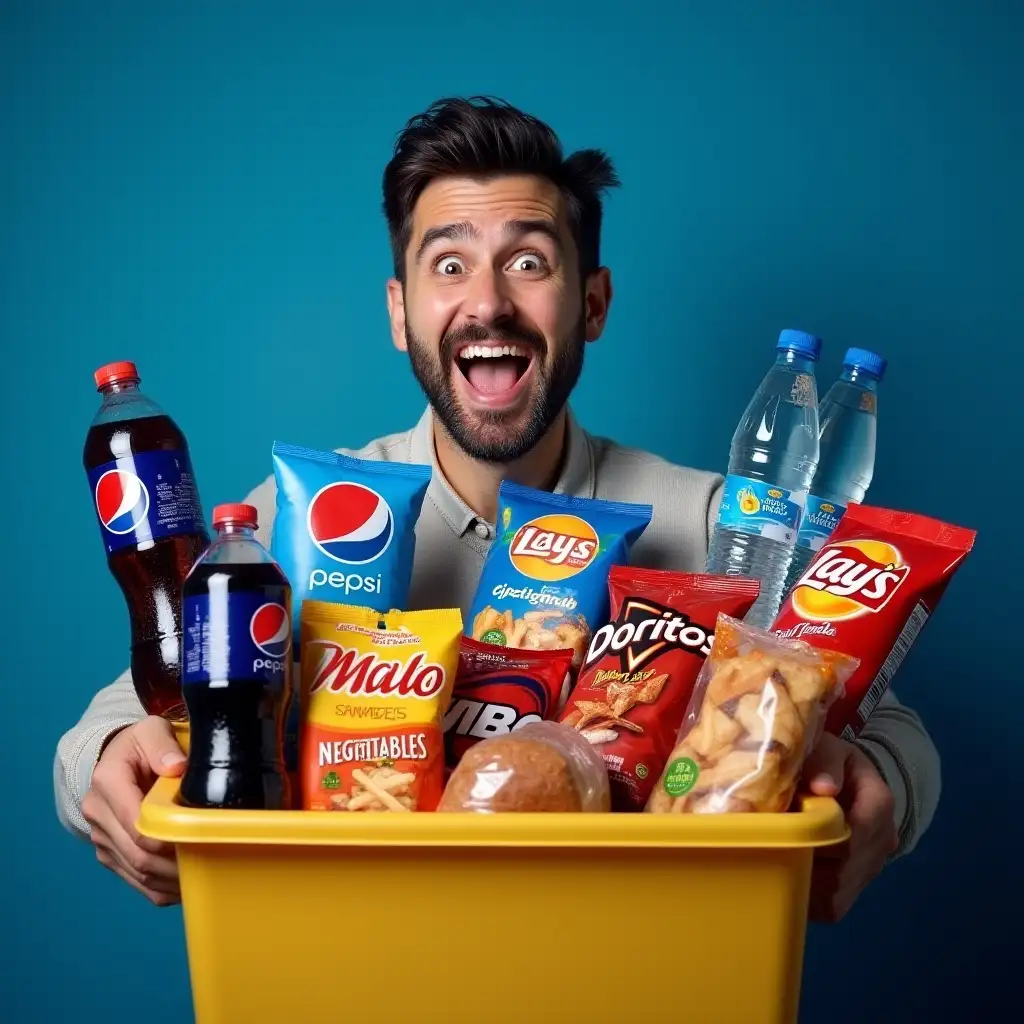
pixel 122 501
pixel 270 630
pixel 350 523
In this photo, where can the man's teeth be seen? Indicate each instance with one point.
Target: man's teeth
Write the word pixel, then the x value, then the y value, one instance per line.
pixel 492 351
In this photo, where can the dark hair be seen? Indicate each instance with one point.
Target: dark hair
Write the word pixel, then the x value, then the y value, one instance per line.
pixel 479 137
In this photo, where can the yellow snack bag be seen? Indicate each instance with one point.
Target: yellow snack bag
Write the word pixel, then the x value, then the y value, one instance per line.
pixel 374 692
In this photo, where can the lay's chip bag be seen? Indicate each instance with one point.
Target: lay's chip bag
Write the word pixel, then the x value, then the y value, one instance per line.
pixel 344 532
pixel 544 585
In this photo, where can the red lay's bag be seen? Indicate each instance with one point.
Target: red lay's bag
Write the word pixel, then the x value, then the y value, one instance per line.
pixel 499 689
pixel 869 592
pixel 639 672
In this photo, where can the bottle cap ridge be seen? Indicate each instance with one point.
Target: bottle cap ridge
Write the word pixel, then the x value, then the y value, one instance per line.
pixel 801 342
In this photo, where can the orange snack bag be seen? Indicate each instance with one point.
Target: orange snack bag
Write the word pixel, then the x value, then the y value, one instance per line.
pixel 374 692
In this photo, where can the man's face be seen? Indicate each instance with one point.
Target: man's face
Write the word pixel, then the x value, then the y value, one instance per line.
pixel 493 312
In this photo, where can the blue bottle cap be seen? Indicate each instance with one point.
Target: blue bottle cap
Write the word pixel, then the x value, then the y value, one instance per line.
pixel 865 361
pixel 799 341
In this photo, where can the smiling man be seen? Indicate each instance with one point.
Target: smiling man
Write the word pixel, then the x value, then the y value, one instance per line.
pixel 497 290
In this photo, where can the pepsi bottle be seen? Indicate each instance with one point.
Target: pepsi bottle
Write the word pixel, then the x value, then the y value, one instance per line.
pixel 151 522
pixel 236 669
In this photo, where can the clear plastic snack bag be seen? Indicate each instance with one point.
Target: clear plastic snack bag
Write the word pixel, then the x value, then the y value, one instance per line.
pixel 542 766
pixel 757 711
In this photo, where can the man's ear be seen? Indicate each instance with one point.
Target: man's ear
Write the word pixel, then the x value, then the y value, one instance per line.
pixel 596 300
pixel 396 313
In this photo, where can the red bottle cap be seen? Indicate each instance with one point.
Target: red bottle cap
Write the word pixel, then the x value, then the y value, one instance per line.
pixel 235 512
pixel 114 373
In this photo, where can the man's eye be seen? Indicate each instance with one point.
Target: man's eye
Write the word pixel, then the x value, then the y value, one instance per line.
pixel 450 266
pixel 528 263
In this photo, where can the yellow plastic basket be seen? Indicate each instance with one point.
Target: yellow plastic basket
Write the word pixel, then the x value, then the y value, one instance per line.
pixel 295 916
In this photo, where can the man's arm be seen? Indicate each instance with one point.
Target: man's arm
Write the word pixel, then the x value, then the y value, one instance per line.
pixel 113 708
pixel 897 743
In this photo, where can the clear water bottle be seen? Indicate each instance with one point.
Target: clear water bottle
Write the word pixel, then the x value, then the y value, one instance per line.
pixel 771 463
pixel 846 462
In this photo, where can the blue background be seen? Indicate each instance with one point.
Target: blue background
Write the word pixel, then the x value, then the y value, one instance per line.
pixel 196 187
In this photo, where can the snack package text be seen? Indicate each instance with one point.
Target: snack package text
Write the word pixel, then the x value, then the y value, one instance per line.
pixel 374 691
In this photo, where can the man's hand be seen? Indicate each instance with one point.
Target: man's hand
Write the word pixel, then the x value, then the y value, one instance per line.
pixel 125 772
pixel 840 769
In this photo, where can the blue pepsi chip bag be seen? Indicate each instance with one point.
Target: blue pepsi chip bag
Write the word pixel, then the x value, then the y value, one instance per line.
pixel 544 585
pixel 343 533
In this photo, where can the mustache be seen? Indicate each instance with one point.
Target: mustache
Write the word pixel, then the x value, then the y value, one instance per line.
pixel 505 334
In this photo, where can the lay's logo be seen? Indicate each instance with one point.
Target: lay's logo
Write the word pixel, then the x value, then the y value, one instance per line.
pixel 848 580
pixel 553 547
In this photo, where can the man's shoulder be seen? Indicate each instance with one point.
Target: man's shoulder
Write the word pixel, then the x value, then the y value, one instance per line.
pixel 618 468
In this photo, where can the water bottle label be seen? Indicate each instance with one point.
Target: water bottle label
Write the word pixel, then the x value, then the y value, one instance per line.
pixel 819 520
pixel 762 509
pixel 143 497
pixel 238 636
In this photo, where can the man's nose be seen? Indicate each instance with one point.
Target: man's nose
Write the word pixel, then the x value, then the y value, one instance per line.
pixel 488 299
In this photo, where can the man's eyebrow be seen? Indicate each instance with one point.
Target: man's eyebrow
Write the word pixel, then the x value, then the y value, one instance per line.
pixel 528 227
pixel 462 231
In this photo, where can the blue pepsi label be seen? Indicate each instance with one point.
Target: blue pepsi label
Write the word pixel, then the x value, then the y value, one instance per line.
pixel 819 520
pixel 146 496
pixel 762 509
pixel 235 635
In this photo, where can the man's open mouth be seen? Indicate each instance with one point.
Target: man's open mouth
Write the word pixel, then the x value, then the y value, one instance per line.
pixel 493 369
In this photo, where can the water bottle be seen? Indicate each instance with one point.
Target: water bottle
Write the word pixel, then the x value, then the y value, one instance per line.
pixel 771 463
pixel 846 461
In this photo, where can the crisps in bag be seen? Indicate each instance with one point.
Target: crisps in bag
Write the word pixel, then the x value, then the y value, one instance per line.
pixel 758 710
pixel 500 689
pixel 639 673
pixel 869 592
pixel 374 692
pixel 543 585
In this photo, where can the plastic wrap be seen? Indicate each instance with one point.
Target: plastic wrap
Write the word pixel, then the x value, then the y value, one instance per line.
pixel 542 766
pixel 757 711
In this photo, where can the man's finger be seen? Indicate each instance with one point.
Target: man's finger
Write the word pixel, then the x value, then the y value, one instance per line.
pixel 825 769
pixel 156 897
pixel 157 746
pixel 151 870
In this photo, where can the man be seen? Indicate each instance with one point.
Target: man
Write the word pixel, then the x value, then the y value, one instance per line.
pixel 497 289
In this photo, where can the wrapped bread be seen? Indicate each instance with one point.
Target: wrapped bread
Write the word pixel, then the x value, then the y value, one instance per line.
pixel 542 766
pixel 758 710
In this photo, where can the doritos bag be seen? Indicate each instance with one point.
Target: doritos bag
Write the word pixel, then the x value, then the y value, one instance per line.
pixel 641 667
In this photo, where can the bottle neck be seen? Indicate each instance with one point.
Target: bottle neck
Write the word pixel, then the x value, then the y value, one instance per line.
pixel 794 361
pixel 860 377
pixel 236 530
pixel 119 387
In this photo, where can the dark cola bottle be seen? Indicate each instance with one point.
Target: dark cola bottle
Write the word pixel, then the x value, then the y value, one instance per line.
pixel 236 669
pixel 152 526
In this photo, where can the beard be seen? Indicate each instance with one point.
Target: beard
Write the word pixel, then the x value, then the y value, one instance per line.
pixel 498 435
